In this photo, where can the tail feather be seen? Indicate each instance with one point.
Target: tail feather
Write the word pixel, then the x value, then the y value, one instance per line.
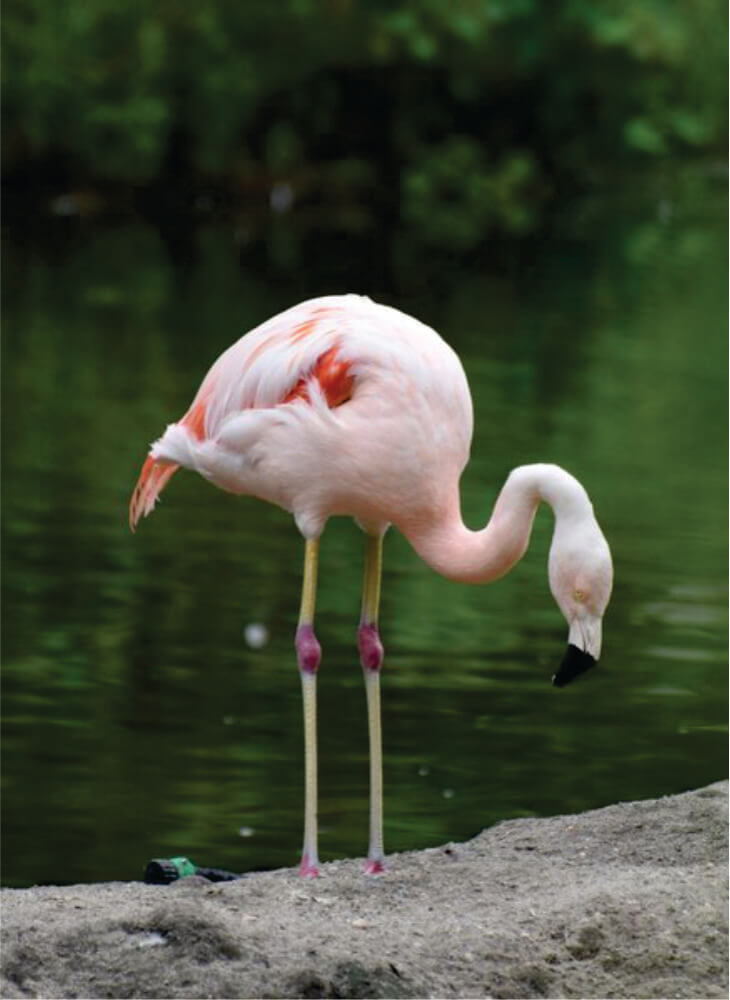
pixel 152 480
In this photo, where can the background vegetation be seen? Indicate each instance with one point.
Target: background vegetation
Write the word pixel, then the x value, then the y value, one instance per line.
pixel 458 118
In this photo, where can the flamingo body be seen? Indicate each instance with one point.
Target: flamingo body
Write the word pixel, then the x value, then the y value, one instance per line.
pixel 336 406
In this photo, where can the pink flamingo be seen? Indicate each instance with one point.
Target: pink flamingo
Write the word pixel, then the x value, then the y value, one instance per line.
pixel 343 406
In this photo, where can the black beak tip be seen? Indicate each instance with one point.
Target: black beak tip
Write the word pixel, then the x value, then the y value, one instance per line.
pixel 575 662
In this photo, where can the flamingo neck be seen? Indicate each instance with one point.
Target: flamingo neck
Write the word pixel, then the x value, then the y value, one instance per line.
pixel 458 553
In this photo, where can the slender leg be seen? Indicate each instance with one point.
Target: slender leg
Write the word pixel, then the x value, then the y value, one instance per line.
pixel 308 656
pixel 371 658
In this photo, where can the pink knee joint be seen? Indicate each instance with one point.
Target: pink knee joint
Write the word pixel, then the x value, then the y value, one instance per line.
pixel 370 646
pixel 309 651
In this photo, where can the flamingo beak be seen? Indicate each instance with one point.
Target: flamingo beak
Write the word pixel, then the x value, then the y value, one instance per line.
pixel 575 662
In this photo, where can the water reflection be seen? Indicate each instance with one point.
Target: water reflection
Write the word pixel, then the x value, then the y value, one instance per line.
pixel 142 719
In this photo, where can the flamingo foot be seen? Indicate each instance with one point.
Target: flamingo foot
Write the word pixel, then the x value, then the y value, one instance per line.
pixel 309 867
pixel 374 866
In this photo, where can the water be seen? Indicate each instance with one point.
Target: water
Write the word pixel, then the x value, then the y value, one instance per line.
pixel 138 720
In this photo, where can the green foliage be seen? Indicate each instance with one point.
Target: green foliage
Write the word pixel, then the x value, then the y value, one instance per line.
pixel 88 79
pixel 470 194
pixel 475 108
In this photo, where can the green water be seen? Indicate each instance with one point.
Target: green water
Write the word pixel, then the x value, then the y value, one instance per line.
pixel 138 722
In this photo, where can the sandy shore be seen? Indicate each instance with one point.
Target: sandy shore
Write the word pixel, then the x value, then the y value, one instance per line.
pixel 626 901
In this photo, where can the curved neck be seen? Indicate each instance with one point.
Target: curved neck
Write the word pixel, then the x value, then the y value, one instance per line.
pixel 467 556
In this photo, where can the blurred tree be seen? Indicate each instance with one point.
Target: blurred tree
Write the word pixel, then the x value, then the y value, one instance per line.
pixel 473 112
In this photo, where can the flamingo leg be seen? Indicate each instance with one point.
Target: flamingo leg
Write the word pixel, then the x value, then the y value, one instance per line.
pixel 371 658
pixel 308 658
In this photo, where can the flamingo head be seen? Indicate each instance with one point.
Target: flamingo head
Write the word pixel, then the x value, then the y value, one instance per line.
pixel 581 577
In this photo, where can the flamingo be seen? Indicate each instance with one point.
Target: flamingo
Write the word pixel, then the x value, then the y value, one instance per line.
pixel 342 406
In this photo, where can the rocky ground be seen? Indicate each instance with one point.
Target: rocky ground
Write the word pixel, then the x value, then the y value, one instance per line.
pixel 626 901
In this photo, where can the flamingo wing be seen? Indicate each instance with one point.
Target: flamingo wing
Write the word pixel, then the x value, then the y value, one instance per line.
pixel 295 356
